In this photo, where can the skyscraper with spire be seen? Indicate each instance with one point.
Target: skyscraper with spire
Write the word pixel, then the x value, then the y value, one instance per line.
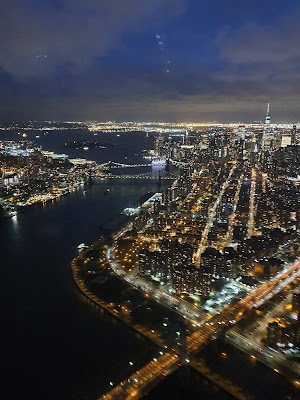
pixel 267 120
pixel 268 137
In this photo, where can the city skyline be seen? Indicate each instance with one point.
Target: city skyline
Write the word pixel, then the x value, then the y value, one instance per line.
pixel 210 253
pixel 150 199
pixel 92 124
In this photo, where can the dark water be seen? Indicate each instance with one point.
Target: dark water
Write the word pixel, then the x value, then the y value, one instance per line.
pixel 256 379
pixel 187 383
pixel 127 147
pixel 56 345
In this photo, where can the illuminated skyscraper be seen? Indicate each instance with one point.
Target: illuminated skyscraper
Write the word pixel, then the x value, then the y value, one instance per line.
pixel 158 145
pixel 267 121
pixel 267 137
pixel 294 135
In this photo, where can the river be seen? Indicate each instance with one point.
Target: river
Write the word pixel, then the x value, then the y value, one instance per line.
pixel 56 345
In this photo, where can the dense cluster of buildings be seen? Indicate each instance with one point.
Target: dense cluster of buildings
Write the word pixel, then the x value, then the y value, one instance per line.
pixel 29 175
pixel 234 204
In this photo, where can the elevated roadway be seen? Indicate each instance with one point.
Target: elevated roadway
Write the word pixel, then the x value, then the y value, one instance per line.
pixel 144 379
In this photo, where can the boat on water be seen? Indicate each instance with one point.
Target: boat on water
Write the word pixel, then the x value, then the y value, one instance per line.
pixel 81 247
pixel 106 191
pixel 158 161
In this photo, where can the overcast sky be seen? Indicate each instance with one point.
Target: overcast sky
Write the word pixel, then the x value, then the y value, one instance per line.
pixel 174 60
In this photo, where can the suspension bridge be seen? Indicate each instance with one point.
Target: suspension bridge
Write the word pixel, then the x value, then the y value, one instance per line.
pixel 147 175
pixel 113 164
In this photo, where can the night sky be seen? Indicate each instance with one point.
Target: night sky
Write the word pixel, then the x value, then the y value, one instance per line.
pixel 173 60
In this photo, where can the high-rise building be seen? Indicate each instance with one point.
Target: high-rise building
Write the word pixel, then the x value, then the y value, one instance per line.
pixel 268 136
pixel 204 141
pixel 294 135
pixel 156 207
pixel 230 265
pixel 267 121
pixel 184 278
pixel 154 264
pixel 144 263
pixel 158 145
pixel 141 220
pixel 204 281
pixel 212 259
pixel 167 196
pixel 286 140
pixel 177 252
pixel 191 280
pixel 158 264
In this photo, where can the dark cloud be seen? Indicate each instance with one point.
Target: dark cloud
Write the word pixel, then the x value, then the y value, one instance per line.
pixel 102 61
pixel 41 37
pixel 258 43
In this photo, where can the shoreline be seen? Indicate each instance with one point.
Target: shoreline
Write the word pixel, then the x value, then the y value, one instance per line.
pixel 26 207
pixel 102 304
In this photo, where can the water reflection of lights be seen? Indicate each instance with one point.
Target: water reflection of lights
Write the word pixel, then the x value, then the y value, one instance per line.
pixel 15 221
